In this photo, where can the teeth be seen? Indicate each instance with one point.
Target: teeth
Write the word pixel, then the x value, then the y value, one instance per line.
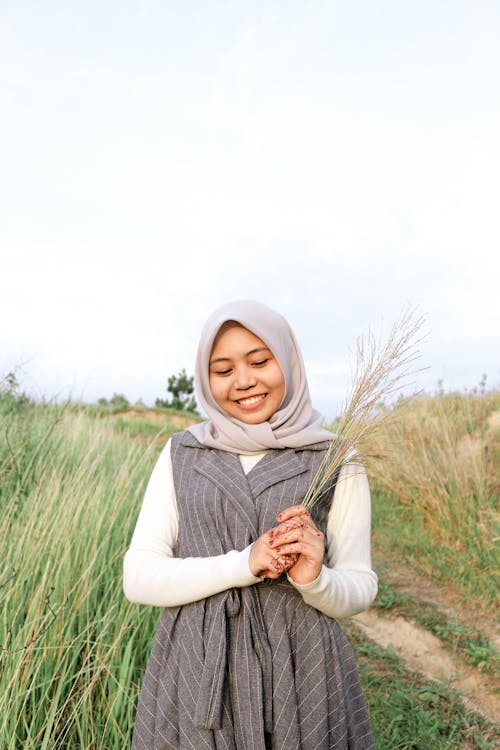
pixel 251 400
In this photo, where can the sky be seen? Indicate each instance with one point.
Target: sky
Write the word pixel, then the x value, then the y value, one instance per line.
pixel 334 160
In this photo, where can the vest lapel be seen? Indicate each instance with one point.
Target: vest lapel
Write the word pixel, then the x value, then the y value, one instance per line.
pixel 224 470
pixel 275 467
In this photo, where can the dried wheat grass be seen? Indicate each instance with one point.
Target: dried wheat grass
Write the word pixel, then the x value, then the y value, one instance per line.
pixel 380 371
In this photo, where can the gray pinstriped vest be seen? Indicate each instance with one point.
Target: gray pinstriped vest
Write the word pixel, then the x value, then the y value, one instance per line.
pixel 226 670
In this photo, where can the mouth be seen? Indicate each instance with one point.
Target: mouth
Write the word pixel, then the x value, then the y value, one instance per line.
pixel 251 402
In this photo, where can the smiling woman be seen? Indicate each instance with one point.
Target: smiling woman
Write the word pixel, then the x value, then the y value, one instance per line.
pixel 245 379
pixel 245 656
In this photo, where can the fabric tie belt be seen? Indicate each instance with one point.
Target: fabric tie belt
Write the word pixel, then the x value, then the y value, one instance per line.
pixel 237 635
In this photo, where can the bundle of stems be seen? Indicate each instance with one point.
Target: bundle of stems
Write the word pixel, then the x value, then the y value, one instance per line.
pixel 380 371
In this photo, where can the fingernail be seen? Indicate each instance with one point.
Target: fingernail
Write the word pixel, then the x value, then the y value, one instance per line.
pixel 279 516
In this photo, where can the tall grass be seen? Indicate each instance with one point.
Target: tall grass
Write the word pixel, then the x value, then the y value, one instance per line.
pixel 72 648
pixel 436 491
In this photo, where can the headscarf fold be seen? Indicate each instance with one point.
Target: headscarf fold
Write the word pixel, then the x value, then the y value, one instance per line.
pixel 294 424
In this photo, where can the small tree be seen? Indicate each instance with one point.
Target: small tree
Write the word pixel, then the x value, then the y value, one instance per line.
pixel 118 402
pixel 11 397
pixel 181 386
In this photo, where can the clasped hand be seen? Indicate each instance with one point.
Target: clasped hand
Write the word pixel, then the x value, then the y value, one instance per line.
pixel 295 545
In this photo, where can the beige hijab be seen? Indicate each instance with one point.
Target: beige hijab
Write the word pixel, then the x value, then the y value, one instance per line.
pixel 295 423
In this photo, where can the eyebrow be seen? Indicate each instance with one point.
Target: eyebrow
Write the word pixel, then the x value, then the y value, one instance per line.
pixel 252 351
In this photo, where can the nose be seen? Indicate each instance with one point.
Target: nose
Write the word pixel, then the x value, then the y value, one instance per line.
pixel 245 379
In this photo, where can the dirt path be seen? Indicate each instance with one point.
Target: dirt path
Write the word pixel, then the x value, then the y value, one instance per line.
pixel 407 581
pixel 425 653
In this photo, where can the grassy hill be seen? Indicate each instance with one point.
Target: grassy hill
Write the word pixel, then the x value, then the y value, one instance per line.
pixel 73 650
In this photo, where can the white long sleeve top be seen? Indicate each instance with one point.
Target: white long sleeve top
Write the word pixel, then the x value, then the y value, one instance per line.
pixel 152 575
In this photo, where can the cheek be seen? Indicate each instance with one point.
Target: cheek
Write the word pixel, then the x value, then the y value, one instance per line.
pixel 218 389
pixel 279 382
pixel 213 387
pixel 280 392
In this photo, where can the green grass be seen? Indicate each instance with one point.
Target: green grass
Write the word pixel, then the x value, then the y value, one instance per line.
pixel 73 650
pixel 469 565
pixel 144 429
pixel 409 712
pixel 435 493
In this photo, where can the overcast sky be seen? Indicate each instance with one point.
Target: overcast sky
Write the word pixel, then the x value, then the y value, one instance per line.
pixel 335 160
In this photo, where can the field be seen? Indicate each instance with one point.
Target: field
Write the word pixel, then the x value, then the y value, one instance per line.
pixel 73 650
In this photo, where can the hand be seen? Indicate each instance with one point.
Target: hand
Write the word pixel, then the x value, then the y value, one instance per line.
pixel 264 560
pixel 297 536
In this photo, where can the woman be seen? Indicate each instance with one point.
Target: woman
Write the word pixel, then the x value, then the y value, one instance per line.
pixel 246 657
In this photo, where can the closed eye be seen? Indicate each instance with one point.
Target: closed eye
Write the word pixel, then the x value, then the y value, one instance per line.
pixel 260 362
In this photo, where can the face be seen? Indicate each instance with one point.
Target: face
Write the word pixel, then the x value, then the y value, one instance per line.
pixel 245 379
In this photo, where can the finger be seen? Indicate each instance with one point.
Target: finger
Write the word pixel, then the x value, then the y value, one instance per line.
pixel 304 531
pixel 292 526
pixel 271 574
pixel 312 538
pixel 276 560
pixel 301 548
pixel 278 573
pixel 275 564
pixel 295 535
pixel 293 511
pixel 291 523
pixel 289 561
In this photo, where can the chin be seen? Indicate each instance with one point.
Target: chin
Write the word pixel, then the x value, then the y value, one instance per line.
pixel 254 419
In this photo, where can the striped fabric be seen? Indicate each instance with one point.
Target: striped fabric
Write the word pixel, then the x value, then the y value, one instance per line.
pixel 230 670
